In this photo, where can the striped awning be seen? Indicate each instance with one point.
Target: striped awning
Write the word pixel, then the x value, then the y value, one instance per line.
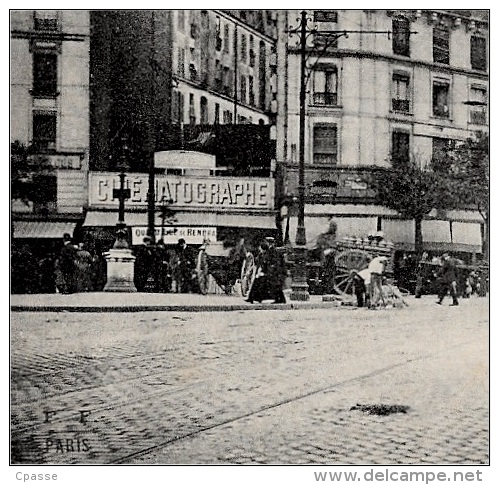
pixel 42 229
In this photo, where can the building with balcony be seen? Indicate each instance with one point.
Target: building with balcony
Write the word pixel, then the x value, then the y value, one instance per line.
pixel 49 123
pixel 375 100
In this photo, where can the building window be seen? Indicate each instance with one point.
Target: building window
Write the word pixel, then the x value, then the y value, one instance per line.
pixel 44 74
pixel 251 87
pixel 243 90
pixel 441 45
pixel 478 102
pixel 226 39
pixel 326 87
pixel 194 30
pixel 401 36
pixel 400 147
pixel 193 73
pixel 46 20
pixel 45 197
pixel 330 16
pixel 243 48
pixel 181 62
pixel 251 52
pixel 325 144
pixel 219 42
pixel 227 81
pixel 262 77
pixel 192 110
pixel 217 113
pixel 441 147
pixel 44 131
pixel 441 99
pixel 178 107
pixel 400 93
pixel 181 20
pixel 325 41
pixel 478 53
pixel 203 110
pixel 227 117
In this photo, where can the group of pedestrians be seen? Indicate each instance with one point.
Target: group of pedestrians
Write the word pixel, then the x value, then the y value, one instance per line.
pixel 69 269
pixel 270 274
pixel 162 270
pixel 77 270
pixel 368 282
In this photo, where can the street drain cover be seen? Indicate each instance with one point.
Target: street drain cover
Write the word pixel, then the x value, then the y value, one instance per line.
pixel 380 409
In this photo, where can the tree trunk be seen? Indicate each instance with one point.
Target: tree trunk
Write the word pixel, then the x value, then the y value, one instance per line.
pixel 418 237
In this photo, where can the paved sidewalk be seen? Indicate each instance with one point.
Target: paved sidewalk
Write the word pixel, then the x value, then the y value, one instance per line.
pixel 137 302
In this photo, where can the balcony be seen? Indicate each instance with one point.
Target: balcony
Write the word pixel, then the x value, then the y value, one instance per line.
pixel 325 99
pixel 401 105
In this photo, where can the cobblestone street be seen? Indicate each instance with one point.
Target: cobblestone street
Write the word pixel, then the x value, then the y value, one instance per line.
pixel 252 386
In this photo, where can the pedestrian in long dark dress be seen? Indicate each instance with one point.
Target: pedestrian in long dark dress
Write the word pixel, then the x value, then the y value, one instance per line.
pixel 261 289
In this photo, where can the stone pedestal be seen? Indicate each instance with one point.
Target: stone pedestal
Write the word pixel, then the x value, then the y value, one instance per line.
pixel 299 284
pixel 120 265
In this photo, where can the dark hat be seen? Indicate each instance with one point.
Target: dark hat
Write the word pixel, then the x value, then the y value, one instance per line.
pixel 181 240
pixel 66 236
pixel 147 239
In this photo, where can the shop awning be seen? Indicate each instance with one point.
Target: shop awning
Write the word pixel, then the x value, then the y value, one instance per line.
pixel 42 229
pixel 258 221
pixel 437 236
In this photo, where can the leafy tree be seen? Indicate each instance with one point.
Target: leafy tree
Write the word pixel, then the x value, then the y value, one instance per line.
pixel 414 191
pixel 469 168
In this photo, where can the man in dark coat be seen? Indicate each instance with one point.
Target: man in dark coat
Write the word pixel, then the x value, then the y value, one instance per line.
pixel 67 265
pixel 186 267
pixel 144 260
pixel 276 271
pixel 448 280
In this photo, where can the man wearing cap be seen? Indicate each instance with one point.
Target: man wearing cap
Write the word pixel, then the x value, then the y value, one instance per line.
pixel 448 275
pixel 376 269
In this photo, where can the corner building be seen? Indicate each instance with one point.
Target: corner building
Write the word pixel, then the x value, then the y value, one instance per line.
pixel 375 100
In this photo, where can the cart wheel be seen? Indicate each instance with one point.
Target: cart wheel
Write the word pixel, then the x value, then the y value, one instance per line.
pixel 248 271
pixel 347 264
pixel 202 272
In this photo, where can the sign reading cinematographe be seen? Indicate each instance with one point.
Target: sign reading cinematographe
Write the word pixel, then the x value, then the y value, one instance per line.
pixel 184 191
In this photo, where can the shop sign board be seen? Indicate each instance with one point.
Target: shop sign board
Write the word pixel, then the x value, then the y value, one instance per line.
pixel 184 191
pixel 171 234
pixel 68 162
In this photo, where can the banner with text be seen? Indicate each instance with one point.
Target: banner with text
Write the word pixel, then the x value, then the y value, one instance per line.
pixel 171 234
pixel 184 191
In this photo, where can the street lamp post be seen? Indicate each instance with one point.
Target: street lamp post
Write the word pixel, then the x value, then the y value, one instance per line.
pixel 120 261
pixel 299 284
